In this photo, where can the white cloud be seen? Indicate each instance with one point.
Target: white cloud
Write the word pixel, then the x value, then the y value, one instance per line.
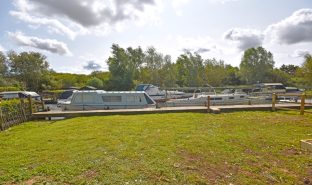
pixel 222 1
pixel 293 29
pixel 195 43
pixel 245 38
pixel 299 53
pixel 177 6
pixel 78 17
pixel 2 48
pixel 50 45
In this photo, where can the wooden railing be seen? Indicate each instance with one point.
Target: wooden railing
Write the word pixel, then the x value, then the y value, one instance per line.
pixel 302 102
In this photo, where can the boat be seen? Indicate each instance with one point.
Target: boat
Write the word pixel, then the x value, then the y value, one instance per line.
pixel 160 95
pixel 215 99
pixel 20 94
pixel 105 100
pixel 65 97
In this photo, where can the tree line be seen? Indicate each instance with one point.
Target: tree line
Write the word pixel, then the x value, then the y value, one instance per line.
pixel 131 66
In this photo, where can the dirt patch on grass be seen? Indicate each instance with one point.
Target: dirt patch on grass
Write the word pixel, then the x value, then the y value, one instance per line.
pixel 36 180
pixel 210 172
pixel 291 151
pixel 88 175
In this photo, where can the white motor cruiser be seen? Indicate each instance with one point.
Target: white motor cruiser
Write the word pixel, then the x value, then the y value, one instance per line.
pixel 104 100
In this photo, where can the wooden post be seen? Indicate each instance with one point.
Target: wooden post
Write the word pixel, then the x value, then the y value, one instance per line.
pixel 208 103
pixel 302 103
pixel 42 103
pixel 1 120
pixel 30 105
pixel 273 102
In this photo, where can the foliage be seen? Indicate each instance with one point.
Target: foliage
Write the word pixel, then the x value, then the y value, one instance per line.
pixel 289 69
pixel 10 106
pixel 123 65
pixel 184 148
pixel 3 65
pixel 9 88
pixel 30 68
pixel 190 70
pixel 307 70
pixel 131 66
pixel 95 82
pixel 256 65
pixel 157 69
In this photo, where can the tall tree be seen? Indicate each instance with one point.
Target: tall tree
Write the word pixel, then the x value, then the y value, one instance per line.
pixel 306 70
pixel 289 69
pixel 190 70
pixel 256 65
pixel 31 68
pixel 123 66
pixel 3 65
pixel 215 72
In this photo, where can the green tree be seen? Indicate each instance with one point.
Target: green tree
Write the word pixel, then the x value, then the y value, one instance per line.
pixel 30 68
pixel 3 65
pixel 289 69
pixel 215 72
pixel 281 77
pixel 306 70
pixel 123 66
pixel 256 65
pixel 232 76
pixel 95 82
pixel 190 70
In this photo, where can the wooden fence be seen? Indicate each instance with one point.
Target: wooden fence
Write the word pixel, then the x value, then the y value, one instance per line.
pixel 18 112
pixel 302 102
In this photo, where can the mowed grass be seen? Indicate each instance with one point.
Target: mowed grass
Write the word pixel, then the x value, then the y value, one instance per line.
pixel 184 148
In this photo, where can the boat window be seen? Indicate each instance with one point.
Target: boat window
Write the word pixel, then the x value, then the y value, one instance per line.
pixel 148 99
pixel 231 97
pixel 216 98
pixel 111 98
pixel 242 96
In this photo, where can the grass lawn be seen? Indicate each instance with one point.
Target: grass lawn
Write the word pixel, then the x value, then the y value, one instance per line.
pixel 184 148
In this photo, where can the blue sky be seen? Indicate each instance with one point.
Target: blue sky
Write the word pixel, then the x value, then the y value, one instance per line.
pixel 76 35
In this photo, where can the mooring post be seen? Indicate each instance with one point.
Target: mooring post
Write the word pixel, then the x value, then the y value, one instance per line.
pixel 30 105
pixel 1 120
pixel 302 103
pixel 208 103
pixel 273 101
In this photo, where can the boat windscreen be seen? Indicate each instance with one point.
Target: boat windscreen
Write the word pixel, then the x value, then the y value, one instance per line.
pixel 148 99
pixel 140 88
pixel 65 94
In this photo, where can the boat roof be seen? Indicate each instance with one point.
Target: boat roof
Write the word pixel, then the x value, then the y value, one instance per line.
pixel 110 92
pixel 23 92
pixel 143 87
pixel 271 84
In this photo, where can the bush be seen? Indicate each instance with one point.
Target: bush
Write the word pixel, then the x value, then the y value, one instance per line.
pixel 3 89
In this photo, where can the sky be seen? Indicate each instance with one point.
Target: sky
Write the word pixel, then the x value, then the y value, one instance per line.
pixel 76 35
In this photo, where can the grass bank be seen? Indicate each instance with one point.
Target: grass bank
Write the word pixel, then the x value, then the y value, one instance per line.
pixel 238 148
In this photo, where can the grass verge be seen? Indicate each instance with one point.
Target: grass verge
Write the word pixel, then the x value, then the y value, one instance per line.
pixel 185 148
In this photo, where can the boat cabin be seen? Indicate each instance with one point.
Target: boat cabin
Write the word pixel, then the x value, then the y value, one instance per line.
pixel 101 100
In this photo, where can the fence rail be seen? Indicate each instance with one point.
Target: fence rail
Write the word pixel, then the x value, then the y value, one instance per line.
pixel 302 102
